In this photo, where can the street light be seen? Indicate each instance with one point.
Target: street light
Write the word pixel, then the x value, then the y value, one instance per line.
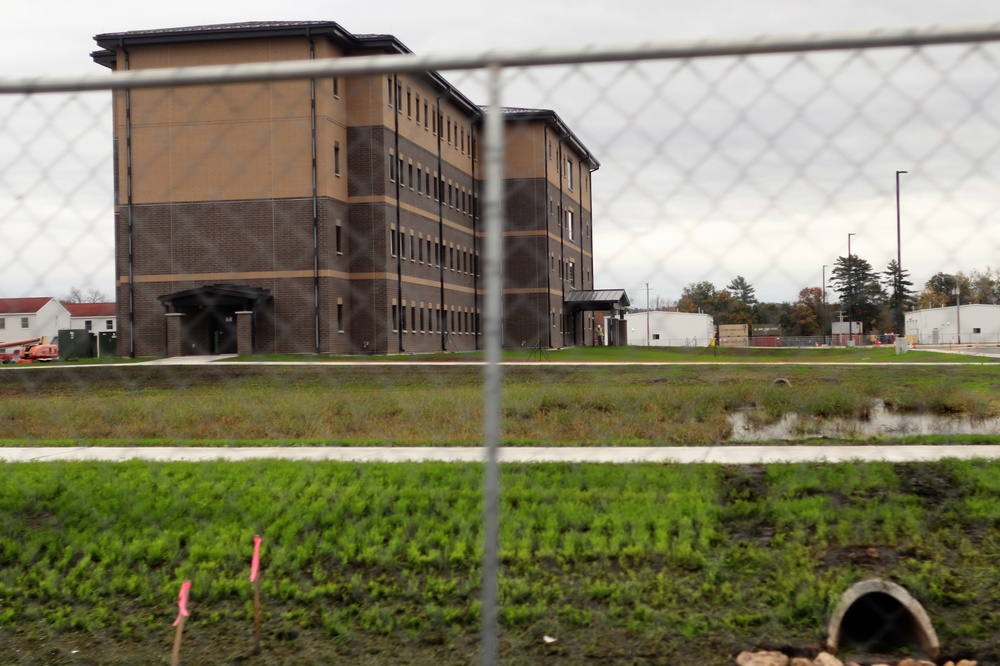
pixel 958 311
pixel 899 262
pixel 850 288
pixel 822 314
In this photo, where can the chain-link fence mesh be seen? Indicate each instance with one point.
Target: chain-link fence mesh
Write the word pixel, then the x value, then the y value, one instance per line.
pixel 646 198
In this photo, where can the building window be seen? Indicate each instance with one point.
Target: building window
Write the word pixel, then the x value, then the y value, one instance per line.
pixel 422 329
pixel 569 224
pixel 425 116
pixel 428 250
pixel 413 318
pixel 88 324
pixel 572 274
pixel 399 97
pixel 390 91
pixel 420 254
pixel 410 175
pixel 392 168
pixel 109 324
pixel 336 87
pixel 977 330
pixel 434 128
pixel 393 242
pixel 339 238
pixel 336 158
pixel 412 243
pixel 340 317
pixel 569 173
pixel 24 322
pixel 3 323
pixel 401 172
pixel 418 109
pixel 402 243
pixel 409 104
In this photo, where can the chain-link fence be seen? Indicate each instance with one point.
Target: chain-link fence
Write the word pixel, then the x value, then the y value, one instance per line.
pixel 315 205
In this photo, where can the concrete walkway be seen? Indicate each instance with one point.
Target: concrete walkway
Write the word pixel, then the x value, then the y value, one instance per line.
pixel 730 455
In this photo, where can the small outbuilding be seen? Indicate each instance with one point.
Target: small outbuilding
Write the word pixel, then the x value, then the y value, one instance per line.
pixel 962 324
pixel 660 328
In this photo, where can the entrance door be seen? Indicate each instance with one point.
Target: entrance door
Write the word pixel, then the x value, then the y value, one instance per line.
pixel 222 332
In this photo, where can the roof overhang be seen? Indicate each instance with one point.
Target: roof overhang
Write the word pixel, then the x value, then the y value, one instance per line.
pixel 218 295
pixel 598 300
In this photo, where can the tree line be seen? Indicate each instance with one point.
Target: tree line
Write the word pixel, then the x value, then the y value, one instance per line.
pixel 875 299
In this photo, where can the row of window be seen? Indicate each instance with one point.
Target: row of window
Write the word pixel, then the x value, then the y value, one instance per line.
pixel 454 133
pixel 433 320
pixel 109 324
pixel 567 270
pixel 567 170
pixel 427 183
pixel 432 253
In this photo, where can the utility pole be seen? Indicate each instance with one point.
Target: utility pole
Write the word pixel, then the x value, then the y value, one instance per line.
pixel 647 315
pixel 899 266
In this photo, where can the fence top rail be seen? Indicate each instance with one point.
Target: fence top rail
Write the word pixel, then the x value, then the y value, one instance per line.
pixel 383 64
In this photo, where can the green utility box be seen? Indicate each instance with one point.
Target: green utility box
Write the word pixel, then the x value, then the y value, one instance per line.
pixel 107 344
pixel 76 343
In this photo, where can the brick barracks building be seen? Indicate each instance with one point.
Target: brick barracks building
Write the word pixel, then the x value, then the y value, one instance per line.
pixel 336 215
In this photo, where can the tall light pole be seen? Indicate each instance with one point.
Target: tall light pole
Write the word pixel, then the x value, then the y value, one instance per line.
pixel 958 312
pixel 822 315
pixel 899 264
pixel 647 314
pixel 850 288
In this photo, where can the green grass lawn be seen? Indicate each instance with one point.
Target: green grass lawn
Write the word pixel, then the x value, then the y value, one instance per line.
pixel 638 564
pixel 550 405
pixel 375 564
pixel 650 355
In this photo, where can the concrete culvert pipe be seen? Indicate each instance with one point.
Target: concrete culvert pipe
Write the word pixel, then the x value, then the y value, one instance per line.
pixel 877 616
pixel 781 381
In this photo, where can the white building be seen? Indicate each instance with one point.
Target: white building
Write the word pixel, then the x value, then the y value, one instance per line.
pixel 670 329
pixel 965 324
pixel 35 317
pixel 94 317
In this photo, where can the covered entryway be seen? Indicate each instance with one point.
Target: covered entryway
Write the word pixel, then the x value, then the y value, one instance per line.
pixel 611 301
pixel 214 319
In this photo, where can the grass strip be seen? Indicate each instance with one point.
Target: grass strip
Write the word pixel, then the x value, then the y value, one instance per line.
pixel 377 563
pixel 420 405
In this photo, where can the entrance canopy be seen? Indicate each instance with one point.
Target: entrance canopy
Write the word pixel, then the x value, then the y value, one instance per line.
pixel 218 296
pixel 599 300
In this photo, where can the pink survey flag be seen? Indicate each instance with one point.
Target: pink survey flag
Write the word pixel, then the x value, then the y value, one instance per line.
pixel 255 562
pixel 182 601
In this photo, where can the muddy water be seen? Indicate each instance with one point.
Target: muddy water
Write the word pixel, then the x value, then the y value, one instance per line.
pixel 881 422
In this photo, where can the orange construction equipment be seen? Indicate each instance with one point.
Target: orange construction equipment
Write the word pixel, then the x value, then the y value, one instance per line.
pixel 27 351
pixel 41 353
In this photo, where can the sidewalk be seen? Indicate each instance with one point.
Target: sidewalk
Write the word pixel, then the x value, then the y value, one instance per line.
pixel 727 455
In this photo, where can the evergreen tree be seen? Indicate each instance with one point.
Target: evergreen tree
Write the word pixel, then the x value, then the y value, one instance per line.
pixel 861 295
pixel 742 291
pixel 901 296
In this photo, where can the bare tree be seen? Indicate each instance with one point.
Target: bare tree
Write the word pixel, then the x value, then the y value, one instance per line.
pixel 91 295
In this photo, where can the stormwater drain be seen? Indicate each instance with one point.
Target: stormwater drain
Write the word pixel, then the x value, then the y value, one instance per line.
pixel 878 617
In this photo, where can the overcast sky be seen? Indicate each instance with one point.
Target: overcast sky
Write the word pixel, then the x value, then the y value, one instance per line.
pixel 708 170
